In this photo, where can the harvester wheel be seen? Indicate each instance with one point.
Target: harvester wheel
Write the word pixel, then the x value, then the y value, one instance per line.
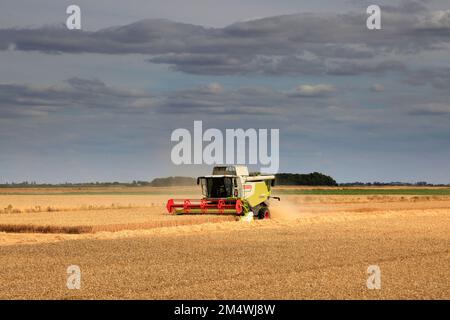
pixel 264 213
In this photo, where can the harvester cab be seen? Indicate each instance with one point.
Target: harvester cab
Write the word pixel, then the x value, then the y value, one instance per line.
pixel 229 190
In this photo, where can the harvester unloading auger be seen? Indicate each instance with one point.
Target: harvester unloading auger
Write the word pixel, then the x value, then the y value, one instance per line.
pixel 229 190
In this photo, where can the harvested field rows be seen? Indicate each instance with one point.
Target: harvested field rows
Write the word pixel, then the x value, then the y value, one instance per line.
pixel 315 246
pixel 89 213
pixel 49 203
pixel 327 259
pixel 99 220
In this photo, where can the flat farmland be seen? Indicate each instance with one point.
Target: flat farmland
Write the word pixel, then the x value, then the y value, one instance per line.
pixel 82 213
pixel 315 246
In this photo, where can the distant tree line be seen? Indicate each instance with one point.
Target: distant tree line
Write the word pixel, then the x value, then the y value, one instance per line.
pixel 26 184
pixel 173 181
pixel 310 179
pixel 157 182
pixel 288 179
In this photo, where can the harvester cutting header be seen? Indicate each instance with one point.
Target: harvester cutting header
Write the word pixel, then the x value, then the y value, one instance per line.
pixel 229 190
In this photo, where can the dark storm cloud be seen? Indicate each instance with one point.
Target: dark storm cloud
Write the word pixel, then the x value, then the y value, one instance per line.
pixel 338 44
pixel 438 78
pixel 432 109
pixel 221 64
pixel 348 68
pixel 18 100
pixel 147 37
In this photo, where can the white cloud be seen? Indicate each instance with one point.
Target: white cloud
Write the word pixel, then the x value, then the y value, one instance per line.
pixel 308 90
pixel 214 88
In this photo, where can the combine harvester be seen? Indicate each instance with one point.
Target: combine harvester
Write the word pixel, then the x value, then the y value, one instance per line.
pixel 229 190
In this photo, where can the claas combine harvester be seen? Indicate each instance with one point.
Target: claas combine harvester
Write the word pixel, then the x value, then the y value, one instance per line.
pixel 229 190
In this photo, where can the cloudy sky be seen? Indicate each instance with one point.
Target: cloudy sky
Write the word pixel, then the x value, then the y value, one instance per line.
pixel 99 104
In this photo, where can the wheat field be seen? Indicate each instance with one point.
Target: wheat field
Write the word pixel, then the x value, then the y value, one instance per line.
pixel 315 246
